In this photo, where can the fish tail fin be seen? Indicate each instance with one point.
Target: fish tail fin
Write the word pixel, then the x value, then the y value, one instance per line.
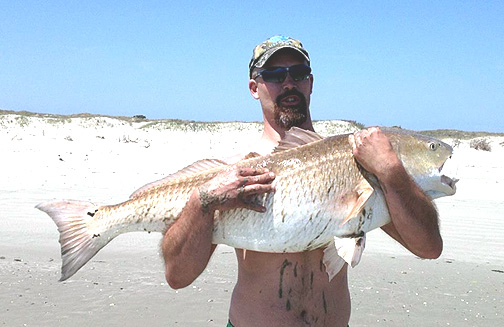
pixel 78 243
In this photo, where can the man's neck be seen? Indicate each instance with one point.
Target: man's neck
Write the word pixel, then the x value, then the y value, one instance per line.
pixel 273 133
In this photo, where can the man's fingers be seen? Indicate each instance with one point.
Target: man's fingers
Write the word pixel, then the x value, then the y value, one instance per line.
pixel 255 207
pixel 263 178
pixel 252 171
pixel 257 189
pixel 362 137
pixel 254 202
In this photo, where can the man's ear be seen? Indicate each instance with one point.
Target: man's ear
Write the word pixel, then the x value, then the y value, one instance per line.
pixel 253 89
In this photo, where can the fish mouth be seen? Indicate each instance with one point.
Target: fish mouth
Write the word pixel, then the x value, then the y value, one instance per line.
pixel 450 182
pixel 442 186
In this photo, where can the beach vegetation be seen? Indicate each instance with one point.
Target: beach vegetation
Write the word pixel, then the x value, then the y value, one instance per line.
pixel 456 134
pixel 139 118
pixel 128 139
pixel 480 144
pixel 356 124
pixel 22 121
pixel 58 120
pixel 325 127
pixel 456 143
pixel 208 127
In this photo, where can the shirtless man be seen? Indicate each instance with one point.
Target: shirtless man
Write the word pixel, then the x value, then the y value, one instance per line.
pixel 291 289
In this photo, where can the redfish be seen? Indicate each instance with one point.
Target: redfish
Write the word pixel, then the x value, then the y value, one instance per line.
pixel 323 199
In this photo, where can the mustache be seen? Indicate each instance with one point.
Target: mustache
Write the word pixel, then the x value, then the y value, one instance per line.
pixel 289 93
pixel 294 115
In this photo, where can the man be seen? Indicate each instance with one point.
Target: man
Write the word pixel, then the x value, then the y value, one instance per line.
pixel 291 289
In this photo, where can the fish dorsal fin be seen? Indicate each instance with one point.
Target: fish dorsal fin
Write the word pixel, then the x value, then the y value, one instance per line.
pixel 295 137
pixel 251 155
pixel 196 167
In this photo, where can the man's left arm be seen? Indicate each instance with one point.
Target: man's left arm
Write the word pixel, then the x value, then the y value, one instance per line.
pixel 414 216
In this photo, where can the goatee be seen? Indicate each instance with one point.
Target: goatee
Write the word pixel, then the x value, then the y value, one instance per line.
pixel 290 116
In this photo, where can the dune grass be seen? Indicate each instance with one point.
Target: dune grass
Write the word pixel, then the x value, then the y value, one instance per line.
pixel 22 118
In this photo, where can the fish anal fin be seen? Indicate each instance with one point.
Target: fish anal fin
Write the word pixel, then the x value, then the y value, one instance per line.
pixel 332 261
pixel 363 192
pixel 194 168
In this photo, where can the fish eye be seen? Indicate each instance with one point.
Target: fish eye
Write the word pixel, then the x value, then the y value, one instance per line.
pixel 433 146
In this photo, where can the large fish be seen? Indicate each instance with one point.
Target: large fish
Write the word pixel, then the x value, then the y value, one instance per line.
pixel 323 198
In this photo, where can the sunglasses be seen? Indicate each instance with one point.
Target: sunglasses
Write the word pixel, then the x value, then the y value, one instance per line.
pixel 278 75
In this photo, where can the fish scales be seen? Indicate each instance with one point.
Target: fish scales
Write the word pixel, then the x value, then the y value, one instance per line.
pixel 307 204
pixel 291 169
pixel 321 193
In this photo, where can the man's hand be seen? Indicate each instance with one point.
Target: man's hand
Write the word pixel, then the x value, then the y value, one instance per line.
pixel 373 151
pixel 236 188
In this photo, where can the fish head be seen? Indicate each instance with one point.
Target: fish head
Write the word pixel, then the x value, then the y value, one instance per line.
pixel 423 158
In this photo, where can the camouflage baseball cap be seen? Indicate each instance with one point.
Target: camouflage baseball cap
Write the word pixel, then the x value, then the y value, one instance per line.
pixel 263 51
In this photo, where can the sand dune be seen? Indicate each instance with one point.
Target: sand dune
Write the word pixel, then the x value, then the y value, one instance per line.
pixel 104 159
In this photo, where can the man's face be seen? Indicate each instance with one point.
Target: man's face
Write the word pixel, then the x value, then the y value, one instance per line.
pixel 286 102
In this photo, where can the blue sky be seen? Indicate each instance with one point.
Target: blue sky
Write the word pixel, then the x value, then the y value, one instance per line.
pixel 415 64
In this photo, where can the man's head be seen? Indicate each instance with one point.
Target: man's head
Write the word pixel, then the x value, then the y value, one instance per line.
pixel 280 77
pixel 263 51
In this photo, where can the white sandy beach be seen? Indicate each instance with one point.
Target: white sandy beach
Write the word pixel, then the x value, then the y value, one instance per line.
pixel 105 159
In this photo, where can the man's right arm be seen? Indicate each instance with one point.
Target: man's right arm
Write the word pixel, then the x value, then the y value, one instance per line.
pixel 187 244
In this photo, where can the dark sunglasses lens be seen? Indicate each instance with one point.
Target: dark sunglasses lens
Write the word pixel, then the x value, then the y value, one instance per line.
pixel 278 75
pixel 274 76
pixel 299 72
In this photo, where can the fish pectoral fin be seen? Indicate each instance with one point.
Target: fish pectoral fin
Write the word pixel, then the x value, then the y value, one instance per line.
pixel 364 191
pixel 343 250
